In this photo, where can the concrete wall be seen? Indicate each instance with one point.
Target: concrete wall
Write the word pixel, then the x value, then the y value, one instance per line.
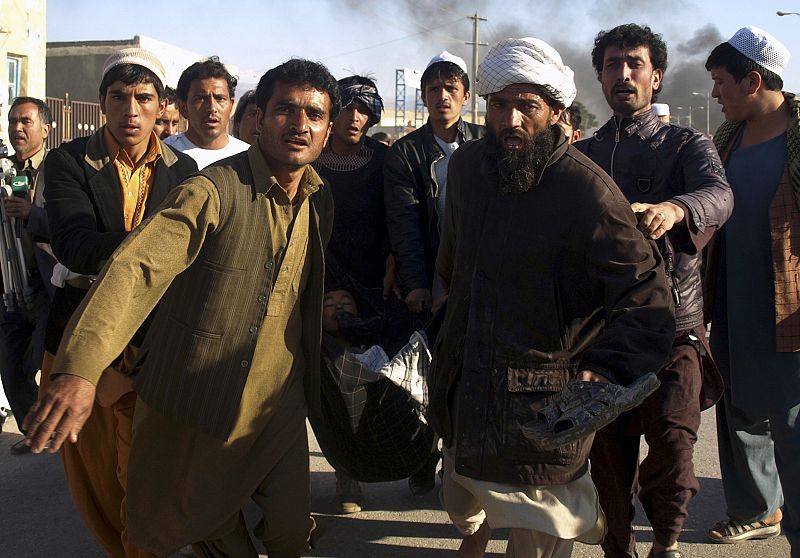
pixel 22 35
pixel 76 67
pixel 78 75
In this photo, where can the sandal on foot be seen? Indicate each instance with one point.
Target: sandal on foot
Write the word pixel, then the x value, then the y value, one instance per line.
pixel 583 408
pixel 675 553
pixel 732 531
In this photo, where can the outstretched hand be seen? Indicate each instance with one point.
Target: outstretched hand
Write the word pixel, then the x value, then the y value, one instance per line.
pixel 59 414
pixel 656 219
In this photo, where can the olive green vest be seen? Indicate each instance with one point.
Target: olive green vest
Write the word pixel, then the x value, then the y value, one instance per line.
pixel 201 345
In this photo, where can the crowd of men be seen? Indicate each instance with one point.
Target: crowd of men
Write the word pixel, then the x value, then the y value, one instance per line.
pixel 182 281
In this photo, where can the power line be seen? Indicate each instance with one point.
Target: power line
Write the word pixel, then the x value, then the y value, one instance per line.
pixel 424 30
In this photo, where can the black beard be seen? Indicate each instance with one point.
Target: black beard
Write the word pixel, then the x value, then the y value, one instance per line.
pixel 519 169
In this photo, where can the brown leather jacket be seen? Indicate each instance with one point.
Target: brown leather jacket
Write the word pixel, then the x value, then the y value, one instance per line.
pixel 541 284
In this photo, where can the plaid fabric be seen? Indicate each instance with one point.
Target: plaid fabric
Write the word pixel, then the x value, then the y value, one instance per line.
pixel 784 218
pixel 372 426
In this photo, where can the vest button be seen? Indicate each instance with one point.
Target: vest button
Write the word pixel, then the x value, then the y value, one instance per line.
pixel 262 299
pixel 253 329
pixel 268 265
pixel 244 364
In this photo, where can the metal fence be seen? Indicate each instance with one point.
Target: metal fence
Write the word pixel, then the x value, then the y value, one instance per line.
pixel 72 119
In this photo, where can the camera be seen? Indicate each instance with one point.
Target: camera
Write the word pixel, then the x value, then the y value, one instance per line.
pixel 3 149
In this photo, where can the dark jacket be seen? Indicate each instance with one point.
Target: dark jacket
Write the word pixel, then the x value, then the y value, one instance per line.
pixel 410 192
pixel 653 162
pixel 541 284
pixel 38 229
pixel 83 199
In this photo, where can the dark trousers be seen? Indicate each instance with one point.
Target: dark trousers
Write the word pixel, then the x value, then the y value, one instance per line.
pixel 21 351
pixel 665 479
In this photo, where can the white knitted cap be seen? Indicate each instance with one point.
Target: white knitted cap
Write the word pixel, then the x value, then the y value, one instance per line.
pixel 526 60
pixel 762 48
pixel 445 56
pixel 140 57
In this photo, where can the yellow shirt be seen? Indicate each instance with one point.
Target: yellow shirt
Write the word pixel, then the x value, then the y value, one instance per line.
pixel 136 179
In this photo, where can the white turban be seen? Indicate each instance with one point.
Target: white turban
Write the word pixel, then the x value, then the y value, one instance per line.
pixel 526 60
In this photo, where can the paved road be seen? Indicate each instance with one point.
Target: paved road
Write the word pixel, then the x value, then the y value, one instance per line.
pixel 37 518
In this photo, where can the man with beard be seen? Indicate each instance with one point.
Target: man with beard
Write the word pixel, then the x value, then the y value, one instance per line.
pixel 206 91
pixel 673 178
pixel 548 280
pixel 234 260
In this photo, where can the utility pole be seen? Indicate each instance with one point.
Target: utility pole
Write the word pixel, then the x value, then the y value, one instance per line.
pixel 475 44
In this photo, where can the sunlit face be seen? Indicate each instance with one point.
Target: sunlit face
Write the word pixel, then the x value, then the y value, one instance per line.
pixel 168 123
pixel 732 96
pixel 445 99
pixel 351 124
pixel 26 131
pixel 333 303
pixel 208 109
pixel 628 80
pixel 295 126
pixel 247 130
pixel 131 112
pixel 516 113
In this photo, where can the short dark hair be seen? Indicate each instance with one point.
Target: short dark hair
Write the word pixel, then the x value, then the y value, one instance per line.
pixel 444 71
pixel 631 35
pixel 170 95
pixel 249 98
pixel 44 111
pixel 209 67
pixel 299 71
pixel 738 65
pixel 131 74
pixel 572 117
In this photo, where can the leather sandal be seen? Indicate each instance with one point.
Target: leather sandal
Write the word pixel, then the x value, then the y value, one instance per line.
pixel 732 531
pixel 583 408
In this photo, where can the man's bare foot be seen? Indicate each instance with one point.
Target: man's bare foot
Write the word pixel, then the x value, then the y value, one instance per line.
pixel 474 545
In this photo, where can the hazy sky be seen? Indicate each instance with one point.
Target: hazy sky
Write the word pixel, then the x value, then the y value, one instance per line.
pixel 357 36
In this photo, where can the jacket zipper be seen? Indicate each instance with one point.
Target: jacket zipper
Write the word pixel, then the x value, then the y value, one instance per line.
pixel 434 182
pixel 616 143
